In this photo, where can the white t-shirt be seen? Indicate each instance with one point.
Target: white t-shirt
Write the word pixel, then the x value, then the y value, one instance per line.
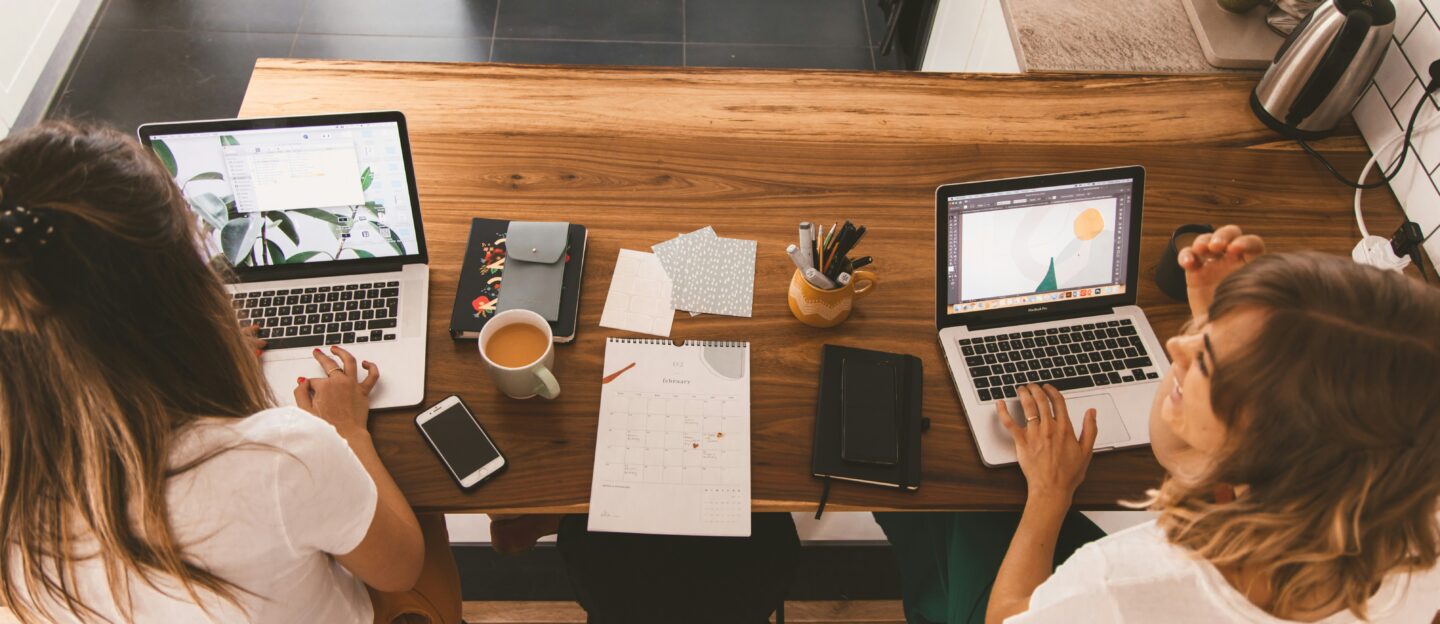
pixel 1137 575
pixel 266 516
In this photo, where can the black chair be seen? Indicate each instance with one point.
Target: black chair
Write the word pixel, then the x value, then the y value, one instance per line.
pixel 643 579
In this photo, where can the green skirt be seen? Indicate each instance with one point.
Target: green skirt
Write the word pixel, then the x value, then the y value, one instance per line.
pixel 948 561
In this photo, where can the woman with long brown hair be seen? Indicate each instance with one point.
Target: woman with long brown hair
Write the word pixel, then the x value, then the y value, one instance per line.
pixel 145 474
pixel 1299 426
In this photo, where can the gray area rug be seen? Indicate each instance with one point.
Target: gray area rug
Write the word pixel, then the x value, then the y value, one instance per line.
pixel 1147 36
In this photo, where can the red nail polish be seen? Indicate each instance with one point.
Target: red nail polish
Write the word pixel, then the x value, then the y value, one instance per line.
pixel 317 349
pixel 300 380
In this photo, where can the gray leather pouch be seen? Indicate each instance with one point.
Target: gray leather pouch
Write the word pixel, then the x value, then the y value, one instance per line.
pixel 534 268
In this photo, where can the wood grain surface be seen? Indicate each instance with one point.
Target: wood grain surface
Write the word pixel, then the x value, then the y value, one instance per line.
pixel 641 154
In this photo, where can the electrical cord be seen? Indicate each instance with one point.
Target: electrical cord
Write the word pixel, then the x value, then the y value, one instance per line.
pixel 1384 147
pixel 1399 164
pixel 1421 247
pixel 1395 168
pixel 1429 123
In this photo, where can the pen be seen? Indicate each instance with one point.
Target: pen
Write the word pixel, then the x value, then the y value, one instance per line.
pixel 860 262
pixel 832 246
pixel 824 250
pixel 843 243
pixel 818 280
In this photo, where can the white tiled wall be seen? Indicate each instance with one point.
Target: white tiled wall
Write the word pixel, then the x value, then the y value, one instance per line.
pixel 1386 107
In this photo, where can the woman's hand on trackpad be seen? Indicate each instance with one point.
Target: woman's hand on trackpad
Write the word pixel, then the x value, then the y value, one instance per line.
pixel 1053 459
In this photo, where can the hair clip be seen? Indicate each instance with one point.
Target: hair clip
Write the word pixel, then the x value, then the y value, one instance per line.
pixel 23 227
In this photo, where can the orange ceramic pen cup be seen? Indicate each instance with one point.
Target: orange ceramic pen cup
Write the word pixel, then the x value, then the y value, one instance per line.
pixel 827 308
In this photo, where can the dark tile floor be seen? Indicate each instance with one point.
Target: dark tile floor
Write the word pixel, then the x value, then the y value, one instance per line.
pixel 154 60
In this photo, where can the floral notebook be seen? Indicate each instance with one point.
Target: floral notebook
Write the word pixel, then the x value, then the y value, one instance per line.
pixel 483 272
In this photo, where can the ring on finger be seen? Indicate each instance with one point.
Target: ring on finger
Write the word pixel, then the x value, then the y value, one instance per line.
pixel 333 370
pixel 1032 419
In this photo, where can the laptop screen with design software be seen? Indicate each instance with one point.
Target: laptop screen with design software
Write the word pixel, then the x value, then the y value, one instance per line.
pixel 1023 247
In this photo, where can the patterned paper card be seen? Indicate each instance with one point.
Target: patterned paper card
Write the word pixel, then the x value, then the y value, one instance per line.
pixel 722 281
pixel 708 273
pixel 677 257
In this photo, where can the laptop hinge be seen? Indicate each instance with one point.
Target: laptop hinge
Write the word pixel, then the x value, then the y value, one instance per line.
pixel 319 269
pixel 1029 320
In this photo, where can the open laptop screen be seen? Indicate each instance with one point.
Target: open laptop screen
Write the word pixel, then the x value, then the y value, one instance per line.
pixel 290 195
pixel 1035 246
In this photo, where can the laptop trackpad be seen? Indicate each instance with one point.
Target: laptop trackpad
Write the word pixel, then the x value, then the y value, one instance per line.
pixel 1107 417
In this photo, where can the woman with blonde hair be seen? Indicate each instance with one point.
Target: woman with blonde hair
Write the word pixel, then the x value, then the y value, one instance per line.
pixel 1300 428
pixel 145 472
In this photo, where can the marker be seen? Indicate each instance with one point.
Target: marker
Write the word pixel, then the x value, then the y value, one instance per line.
pixel 805 271
pixel 807 245
pixel 818 279
pixel 844 279
pixel 797 257
pixel 861 261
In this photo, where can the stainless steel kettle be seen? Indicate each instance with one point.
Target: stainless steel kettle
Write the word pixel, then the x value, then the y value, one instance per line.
pixel 1323 67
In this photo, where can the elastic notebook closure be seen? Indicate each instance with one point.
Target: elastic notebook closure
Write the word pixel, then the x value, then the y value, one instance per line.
pixel 828 460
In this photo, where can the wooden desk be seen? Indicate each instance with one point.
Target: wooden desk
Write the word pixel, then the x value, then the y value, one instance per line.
pixel 640 154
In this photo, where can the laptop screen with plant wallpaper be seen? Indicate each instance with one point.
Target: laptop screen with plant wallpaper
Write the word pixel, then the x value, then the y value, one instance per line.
pixel 270 197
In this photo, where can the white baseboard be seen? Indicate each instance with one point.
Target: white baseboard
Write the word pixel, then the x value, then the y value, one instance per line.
pixel 834 526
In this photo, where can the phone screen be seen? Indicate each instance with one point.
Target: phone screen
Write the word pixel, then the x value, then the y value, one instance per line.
pixel 460 441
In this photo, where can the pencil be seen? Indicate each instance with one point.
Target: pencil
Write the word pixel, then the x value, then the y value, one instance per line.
pixel 830 246
pixel 822 245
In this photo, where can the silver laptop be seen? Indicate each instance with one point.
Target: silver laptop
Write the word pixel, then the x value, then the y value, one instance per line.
pixel 320 220
pixel 1036 283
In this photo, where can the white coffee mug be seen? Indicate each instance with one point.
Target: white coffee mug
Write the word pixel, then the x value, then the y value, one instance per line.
pixel 527 381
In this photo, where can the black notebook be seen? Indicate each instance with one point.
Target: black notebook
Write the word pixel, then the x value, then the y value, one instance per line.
pixel 867 420
pixel 478 293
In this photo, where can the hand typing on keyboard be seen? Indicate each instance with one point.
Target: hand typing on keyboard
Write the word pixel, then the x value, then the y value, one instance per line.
pixel 251 332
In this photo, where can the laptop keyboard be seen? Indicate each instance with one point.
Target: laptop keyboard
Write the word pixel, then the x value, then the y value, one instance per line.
pixel 1084 355
pixel 313 316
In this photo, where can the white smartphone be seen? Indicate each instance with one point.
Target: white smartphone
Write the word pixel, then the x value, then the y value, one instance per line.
pixel 462 445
